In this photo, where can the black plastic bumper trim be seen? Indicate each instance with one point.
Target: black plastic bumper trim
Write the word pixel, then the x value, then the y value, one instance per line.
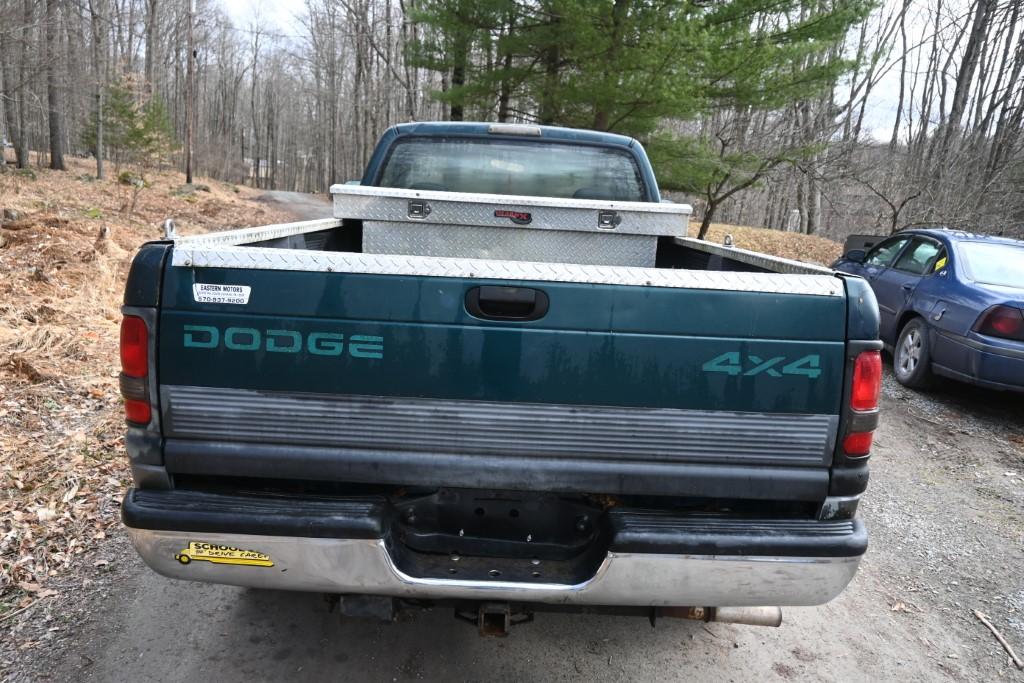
pixel 264 514
pixel 631 531
pixel 850 480
pixel 716 534
pixel 565 475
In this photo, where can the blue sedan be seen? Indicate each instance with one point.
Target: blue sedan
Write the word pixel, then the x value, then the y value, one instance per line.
pixel 951 303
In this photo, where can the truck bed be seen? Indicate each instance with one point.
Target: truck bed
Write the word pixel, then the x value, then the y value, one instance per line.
pixel 335 245
pixel 632 378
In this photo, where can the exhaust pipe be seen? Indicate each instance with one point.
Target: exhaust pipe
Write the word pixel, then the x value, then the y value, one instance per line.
pixel 751 616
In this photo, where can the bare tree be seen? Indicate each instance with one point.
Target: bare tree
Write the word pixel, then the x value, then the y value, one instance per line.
pixel 190 92
pixel 55 113
pixel 97 11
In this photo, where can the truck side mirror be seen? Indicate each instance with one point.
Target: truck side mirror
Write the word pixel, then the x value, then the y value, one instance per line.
pixel 856 255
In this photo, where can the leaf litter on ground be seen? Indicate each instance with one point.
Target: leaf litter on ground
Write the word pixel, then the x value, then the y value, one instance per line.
pixel 63 261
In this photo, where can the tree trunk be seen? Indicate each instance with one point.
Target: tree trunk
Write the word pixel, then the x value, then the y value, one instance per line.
pixel 19 131
pixel 8 93
pixel 705 222
pixel 96 11
pixel 602 115
pixel 253 111
pixel 548 105
pixel 460 56
pixel 505 89
pixel 152 7
pixel 813 206
pixel 190 93
pixel 894 140
pixel 53 89
pixel 964 80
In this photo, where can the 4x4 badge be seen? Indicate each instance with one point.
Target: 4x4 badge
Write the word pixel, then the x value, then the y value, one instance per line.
pixel 732 363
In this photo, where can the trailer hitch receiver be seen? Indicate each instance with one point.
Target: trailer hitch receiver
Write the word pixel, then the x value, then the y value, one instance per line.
pixel 495 619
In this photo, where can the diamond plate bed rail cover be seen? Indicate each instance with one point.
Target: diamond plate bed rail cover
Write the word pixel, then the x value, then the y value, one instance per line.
pixel 775 264
pixel 258 234
pixel 510 211
pixel 205 256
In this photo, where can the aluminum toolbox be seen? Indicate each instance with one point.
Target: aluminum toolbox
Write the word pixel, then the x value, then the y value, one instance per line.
pixel 507 227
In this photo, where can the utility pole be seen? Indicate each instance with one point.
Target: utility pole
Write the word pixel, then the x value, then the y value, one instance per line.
pixel 189 98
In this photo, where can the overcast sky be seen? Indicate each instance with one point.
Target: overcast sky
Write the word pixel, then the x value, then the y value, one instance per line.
pixel 274 15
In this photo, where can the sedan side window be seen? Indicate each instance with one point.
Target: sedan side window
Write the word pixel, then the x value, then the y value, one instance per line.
pixel 884 253
pixel 918 257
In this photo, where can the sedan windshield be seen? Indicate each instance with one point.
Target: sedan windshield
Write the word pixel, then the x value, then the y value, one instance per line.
pixel 994 264
pixel 541 169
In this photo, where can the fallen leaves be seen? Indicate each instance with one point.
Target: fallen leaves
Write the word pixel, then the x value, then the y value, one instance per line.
pixel 62 465
pixel 791 245
pixel 22 367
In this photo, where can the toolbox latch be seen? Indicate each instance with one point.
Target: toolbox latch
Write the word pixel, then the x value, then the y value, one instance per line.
pixel 418 208
pixel 608 220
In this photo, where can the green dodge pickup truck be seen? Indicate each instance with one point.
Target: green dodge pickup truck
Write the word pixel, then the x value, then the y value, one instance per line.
pixel 503 379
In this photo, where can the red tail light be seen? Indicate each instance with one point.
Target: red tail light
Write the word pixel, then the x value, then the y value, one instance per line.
pixel 867 384
pixel 1002 321
pixel 867 381
pixel 858 443
pixel 135 370
pixel 134 347
pixel 138 412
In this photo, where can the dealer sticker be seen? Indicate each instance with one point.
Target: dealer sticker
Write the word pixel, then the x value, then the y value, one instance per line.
pixel 221 294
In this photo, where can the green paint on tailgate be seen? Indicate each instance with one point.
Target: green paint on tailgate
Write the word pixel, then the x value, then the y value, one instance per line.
pixel 598 345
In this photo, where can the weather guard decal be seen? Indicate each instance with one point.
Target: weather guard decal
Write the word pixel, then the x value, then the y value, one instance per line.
pixel 517 217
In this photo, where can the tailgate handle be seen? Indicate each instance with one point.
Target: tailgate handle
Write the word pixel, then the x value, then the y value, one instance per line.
pixel 520 304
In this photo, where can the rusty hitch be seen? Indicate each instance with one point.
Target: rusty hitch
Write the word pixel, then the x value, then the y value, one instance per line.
pixel 495 619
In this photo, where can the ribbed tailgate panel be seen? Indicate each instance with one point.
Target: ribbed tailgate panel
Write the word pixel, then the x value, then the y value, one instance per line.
pixel 496 428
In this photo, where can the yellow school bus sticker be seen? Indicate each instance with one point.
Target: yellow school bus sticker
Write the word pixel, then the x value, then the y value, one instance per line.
pixel 222 554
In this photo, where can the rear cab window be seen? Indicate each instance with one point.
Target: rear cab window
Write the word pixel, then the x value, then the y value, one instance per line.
pixel 513 167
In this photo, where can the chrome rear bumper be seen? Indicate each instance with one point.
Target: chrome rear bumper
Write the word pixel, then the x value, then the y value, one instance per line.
pixel 364 566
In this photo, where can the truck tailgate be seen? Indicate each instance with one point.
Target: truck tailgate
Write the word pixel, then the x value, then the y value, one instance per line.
pixel 323 374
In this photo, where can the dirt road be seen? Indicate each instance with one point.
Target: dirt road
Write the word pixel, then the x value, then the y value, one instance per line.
pixel 305 207
pixel 945 511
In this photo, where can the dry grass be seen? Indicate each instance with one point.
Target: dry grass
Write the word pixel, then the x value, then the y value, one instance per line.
pixel 62 269
pixel 808 248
